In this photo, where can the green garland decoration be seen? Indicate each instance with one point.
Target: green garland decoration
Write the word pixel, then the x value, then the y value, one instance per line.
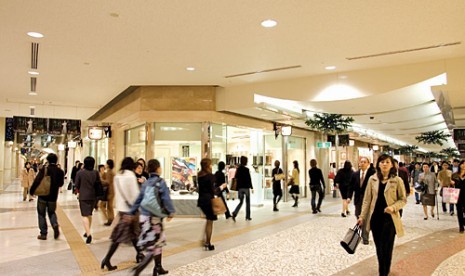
pixel 432 154
pixel 436 137
pixel 450 152
pixel 407 149
pixel 329 123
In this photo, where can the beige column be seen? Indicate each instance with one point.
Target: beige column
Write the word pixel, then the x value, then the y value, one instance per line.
pixel 206 140
pixel 285 141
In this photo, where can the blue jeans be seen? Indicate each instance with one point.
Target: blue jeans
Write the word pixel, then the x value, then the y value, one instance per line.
pixel 49 207
pixel 243 193
pixel 417 197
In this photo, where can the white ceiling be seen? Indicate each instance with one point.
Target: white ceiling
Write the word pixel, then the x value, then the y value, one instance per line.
pixel 93 50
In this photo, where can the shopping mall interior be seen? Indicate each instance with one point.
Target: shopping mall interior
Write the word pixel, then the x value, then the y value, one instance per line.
pixel 179 81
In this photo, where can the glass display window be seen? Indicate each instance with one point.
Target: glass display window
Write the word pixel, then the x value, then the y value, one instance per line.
pixel 296 152
pixel 135 142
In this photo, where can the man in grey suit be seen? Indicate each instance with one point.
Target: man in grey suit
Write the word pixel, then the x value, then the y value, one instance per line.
pixel 358 184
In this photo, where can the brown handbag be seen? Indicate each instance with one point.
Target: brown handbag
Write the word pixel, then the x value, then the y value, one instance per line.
pixel 44 186
pixel 233 185
pixel 218 206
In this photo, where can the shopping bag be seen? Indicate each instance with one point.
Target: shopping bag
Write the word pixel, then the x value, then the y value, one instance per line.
pixel 450 195
pixel 233 185
pixel 218 206
pixel 44 186
pixel 352 239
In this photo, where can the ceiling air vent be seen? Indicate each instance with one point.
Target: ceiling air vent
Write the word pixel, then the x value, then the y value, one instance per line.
pixel 33 84
pixel 264 71
pixel 34 55
pixel 406 50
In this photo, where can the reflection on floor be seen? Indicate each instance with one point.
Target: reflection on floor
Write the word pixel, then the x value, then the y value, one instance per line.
pixel 289 242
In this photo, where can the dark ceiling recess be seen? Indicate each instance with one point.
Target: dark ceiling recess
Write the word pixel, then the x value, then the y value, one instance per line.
pixel 33 84
pixel 406 50
pixel 264 71
pixel 34 55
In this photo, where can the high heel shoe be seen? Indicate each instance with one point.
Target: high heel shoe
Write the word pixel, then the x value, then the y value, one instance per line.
pixel 209 247
pixel 139 257
pixel 108 265
pixel 89 239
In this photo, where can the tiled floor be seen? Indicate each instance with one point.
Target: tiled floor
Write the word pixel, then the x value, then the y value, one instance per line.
pixel 289 242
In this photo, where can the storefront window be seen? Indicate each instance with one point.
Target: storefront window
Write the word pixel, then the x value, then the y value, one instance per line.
pixel 134 143
pixel 178 148
pixel 99 150
pixel 296 152
pixel 273 152
pixel 219 144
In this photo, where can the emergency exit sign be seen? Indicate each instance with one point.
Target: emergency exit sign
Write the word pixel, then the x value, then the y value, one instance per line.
pixel 323 145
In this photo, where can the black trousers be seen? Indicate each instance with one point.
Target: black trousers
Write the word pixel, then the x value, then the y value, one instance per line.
pixel 384 234
pixel 321 195
pixel 460 214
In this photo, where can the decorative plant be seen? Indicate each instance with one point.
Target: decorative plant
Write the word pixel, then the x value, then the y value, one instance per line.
pixel 450 152
pixel 329 123
pixel 387 149
pixel 407 149
pixel 436 137
pixel 432 154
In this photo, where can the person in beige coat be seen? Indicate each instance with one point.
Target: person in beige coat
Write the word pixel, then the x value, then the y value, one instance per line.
pixel 108 205
pixel 384 197
pixel 27 178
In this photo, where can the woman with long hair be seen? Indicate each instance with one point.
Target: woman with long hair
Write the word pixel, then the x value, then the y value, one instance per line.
pixel 27 178
pixel 384 198
pixel 152 237
pixel 219 180
pixel 86 180
pixel 342 181
pixel 207 191
pixel 127 230
pixel 458 181
pixel 295 189
pixel 278 175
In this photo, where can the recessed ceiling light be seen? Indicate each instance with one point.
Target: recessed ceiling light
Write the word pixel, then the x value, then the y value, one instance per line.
pixel 35 34
pixel 269 23
pixel 330 67
pixel 190 68
pixel 32 106
pixel 32 93
pixel 114 14
pixel 33 72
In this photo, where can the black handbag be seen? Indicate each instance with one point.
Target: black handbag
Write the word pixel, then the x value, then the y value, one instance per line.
pixel 99 192
pixel 352 239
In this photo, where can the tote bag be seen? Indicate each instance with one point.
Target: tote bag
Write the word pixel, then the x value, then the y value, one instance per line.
pixel 352 239
pixel 450 195
pixel 218 206
pixel 44 187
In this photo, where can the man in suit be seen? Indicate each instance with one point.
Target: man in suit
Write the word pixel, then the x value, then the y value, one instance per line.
pixel 48 204
pixel 358 184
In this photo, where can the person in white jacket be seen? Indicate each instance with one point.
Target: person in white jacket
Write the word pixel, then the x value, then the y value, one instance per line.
pixel 127 229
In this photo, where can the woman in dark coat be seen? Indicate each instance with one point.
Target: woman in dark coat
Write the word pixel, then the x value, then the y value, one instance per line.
pixel 342 181
pixel 458 181
pixel 219 180
pixel 85 183
pixel 207 191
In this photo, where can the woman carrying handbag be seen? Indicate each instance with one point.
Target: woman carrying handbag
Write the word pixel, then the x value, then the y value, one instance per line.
pixel 207 191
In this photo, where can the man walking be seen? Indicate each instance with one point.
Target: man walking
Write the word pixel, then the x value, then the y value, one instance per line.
pixel 358 185
pixel 48 203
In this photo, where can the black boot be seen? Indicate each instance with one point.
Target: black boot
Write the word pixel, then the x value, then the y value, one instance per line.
pixel 158 269
pixel 139 256
pixel 138 269
pixel 106 260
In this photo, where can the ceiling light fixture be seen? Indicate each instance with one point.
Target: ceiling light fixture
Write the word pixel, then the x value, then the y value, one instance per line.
pixel 33 73
pixel 32 93
pixel 190 68
pixel 35 34
pixel 269 23
pixel 332 67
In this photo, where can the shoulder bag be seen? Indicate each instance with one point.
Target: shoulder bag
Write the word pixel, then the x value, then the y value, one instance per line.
pixel 44 187
pixel 352 239
pixel 152 201
pixel 218 205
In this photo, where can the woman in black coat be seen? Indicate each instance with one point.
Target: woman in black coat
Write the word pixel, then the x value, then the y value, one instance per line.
pixel 458 181
pixel 207 191
pixel 219 180
pixel 342 181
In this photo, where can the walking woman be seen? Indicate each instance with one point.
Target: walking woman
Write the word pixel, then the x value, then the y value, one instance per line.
pixel 428 197
pixel 86 180
pixel 152 237
pixel 278 175
pixel 317 185
pixel 384 197
pixel 458 181
pixel 219 180
pixel 244 185
pixel 207 191
pixel 108 180
pixel 127 230
pixel 295 190
pixel 342 181
pixel 27 178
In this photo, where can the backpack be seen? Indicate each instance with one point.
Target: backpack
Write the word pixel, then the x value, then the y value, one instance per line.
pixel 152 201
